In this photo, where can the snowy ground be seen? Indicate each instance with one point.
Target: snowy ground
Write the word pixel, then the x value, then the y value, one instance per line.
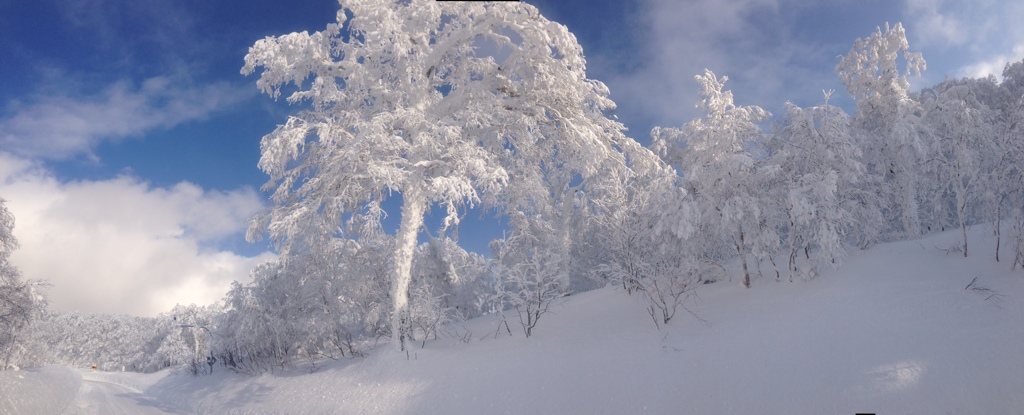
pixel 98 397
pixel 45 390
pixel 894 331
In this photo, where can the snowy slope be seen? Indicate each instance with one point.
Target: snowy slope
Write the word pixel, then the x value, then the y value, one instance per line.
pixel 893 331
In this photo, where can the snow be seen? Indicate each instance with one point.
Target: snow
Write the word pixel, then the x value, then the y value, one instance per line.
pixel 44 390
pixel 97 397
pixel 892 331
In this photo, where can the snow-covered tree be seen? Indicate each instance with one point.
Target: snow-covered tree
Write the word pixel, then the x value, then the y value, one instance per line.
pixel 644 241
pixel 20 301
pixel 631 235
pixel 531 269
pixel 299 309
pixel 111 342
pixel 189 339
pixel 887 119
pixel 719 170
pixel 449 284
pixel 249 342
pixel 962 129
pixel 820 182
pixel 1007 182
pixel 402 97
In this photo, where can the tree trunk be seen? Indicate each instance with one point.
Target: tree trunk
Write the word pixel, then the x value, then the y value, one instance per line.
pixel 961 209
pixel 907 202
pixel 791 267
pixel 792 262
pixel 413 207
pixel 741 249
pixel 963 233
pixel 999 205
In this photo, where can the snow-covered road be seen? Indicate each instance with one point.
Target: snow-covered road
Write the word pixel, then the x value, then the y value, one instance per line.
pixel 102 398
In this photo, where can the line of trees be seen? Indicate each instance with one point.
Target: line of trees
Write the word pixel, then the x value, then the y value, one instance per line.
pixel 452 105
pixel 418 111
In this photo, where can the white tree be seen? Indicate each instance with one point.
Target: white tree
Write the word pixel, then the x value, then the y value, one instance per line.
pixel 20 301
pixel 189 338
pixel 887 119
pixel 962 131
pixel 250 342
pixel 820 179
pixel 718 168
pixel 1008 171
pixel 531 269
pixel 644 241
pixel 401 98
pixel 631 233
pixel 312 306
pixel 448 285
pixel 111 342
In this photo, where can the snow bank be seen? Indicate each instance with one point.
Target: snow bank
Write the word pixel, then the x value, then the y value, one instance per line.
pixel 45 390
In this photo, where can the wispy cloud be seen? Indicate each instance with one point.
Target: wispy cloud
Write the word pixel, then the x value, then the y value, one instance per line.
pixel 122 245
pixel 985 33
pixel 61 127
pixel 994 65
pixel 935 25
pixel 785 50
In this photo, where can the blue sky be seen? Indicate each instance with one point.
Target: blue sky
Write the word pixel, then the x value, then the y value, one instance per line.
pixel 129 140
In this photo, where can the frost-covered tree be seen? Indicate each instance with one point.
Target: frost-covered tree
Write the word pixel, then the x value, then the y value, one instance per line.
pixel 820 184
pixel 449 284
pixel 531 272
pixel 325 303
pixel 961 126
pixel 430 100
pixel 632 232
pixel 20 301
pixel 111 342
pixel 250 342
pixel 305 308
pixel 189 339
pixel 714 155
pixel 645 242
pixel 1007 182
pixel 887 119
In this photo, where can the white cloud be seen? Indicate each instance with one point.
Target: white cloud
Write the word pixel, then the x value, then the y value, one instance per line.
pixel 60 127
pixel 935 23
pixel 968 39
pixel 993 65
pixel 121 245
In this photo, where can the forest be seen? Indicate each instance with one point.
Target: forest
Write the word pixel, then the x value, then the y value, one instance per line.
pixel 428 106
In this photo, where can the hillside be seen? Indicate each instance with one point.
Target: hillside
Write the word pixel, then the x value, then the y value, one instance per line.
pixel 892 331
